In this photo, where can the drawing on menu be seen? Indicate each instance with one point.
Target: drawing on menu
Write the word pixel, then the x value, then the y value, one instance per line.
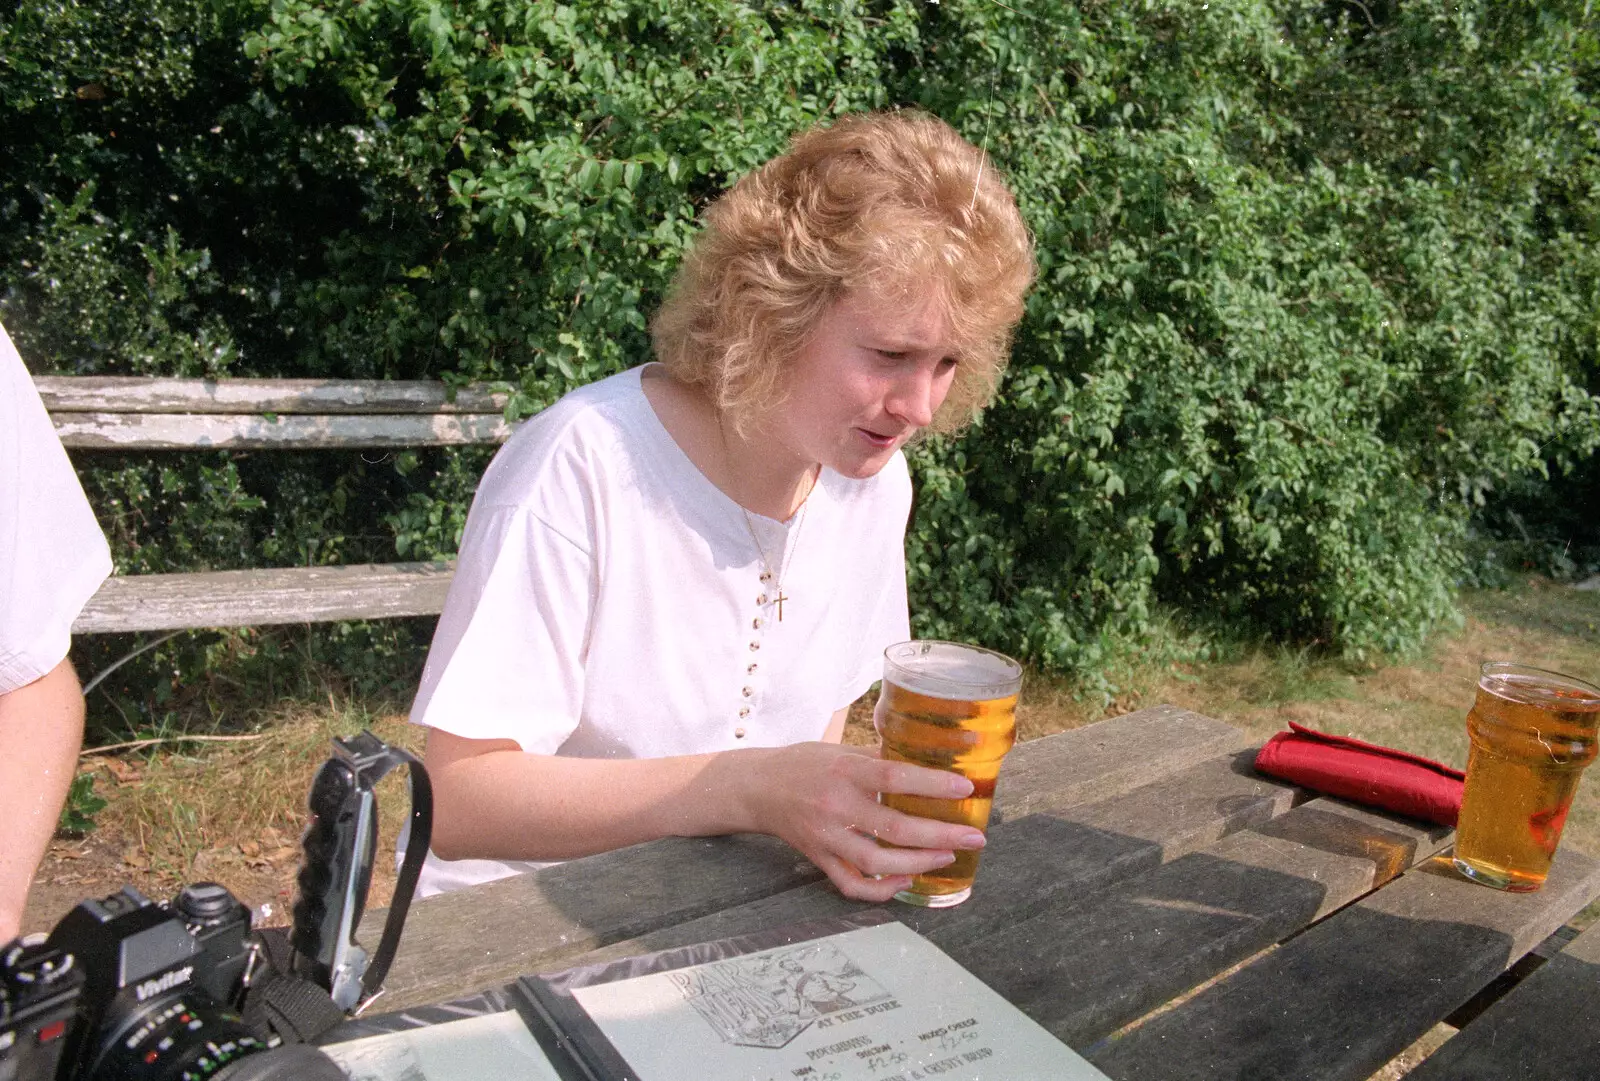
pixel 768 999
pixel 391 1059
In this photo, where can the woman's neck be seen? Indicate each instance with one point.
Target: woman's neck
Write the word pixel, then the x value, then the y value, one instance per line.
pixel 760 476
pixel 764 479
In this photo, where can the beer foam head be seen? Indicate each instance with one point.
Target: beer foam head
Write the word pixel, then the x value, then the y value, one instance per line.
pixel 1538 687
pixel 951 670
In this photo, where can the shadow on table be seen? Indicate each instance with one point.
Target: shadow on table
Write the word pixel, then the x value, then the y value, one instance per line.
pixel 643 898
pixel 1334 1003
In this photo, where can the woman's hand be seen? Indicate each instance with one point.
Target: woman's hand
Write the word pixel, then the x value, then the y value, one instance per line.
pixel 823 799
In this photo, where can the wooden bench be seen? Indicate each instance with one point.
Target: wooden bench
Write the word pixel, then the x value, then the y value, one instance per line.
pixel 119 413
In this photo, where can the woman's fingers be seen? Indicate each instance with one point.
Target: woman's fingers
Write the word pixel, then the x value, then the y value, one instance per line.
pixel 824 800
pixel 909 831
pixel 855 885
pixel 905 779
pixel 932 845
pixel 922 844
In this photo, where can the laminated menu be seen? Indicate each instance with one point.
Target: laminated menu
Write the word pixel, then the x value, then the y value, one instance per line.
pixel 860 998
pixel 465 1049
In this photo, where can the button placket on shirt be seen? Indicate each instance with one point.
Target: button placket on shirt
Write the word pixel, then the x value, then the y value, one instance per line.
pixel 750 679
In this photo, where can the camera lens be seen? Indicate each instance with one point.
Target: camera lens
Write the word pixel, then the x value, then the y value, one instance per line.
pixel 187 1041
pixel 182 1035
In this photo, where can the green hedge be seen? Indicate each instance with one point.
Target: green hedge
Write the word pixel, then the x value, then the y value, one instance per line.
pixel 1317 279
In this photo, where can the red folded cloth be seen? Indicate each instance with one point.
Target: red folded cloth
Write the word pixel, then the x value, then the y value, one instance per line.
pixel 1365 773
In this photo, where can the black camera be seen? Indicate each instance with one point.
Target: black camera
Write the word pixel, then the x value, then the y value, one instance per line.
pixel 125 989
pixel 38 999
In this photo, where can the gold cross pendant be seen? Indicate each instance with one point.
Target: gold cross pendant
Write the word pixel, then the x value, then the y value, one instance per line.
pixel 781 598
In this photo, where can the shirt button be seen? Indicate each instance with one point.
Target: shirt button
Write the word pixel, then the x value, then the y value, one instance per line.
pixel 755 624
pixel 738 733
pixel 744 711
pixel 754 646
pixel 751 669
pixel 761 599
pixel 747 692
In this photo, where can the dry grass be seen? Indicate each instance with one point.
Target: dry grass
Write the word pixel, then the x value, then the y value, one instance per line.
pixel 228 812
pixel 199 815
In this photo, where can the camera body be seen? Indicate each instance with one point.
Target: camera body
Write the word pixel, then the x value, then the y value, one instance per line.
pixel 162 985
pixel 39 989
pixel 126 989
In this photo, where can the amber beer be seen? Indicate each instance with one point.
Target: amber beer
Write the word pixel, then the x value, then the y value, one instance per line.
pixel 953 707
pixel 1532 733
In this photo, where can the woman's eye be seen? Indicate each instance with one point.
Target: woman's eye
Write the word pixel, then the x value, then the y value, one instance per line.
pixel 890 354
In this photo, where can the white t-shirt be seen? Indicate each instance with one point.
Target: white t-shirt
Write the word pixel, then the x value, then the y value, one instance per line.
pixel 608 600
pixel 52 553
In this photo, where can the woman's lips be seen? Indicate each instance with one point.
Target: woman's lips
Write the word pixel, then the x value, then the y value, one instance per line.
pixel 876 440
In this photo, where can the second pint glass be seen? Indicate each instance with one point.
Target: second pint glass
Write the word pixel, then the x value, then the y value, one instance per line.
pixel 1532 733
pixel 952 707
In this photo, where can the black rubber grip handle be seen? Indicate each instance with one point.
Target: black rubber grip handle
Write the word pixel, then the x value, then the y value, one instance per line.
pixel 328 860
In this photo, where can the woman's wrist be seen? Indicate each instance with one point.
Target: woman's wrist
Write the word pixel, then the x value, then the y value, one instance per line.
pixel 734 785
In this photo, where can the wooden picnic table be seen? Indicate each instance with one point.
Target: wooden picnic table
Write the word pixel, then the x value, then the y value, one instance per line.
pixel 1130 863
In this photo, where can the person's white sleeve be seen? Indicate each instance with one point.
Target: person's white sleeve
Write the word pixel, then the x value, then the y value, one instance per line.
pixel 52 554
pixel 885 617
pixel 887 622
pixel 508 654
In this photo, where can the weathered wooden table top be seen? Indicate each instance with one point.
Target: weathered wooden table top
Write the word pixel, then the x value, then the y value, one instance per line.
pixel 1129 863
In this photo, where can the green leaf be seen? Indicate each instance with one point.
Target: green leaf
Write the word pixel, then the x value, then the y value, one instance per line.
pixel 81 807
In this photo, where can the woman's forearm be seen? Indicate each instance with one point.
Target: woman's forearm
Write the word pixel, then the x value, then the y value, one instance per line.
pixel 505 804
pixel 493 801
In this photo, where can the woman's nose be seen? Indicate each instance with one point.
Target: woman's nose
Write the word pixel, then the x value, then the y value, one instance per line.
pixel 916 396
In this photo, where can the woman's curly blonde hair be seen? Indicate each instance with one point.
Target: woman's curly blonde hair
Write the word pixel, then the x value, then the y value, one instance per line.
pixel 888 201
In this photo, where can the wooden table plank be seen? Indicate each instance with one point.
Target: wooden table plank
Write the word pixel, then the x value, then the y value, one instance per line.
pixel 1109 758
pixel 1546 1029
pixel 461 942
pixel 1074 852
pixel 1353 991
pixel 1084 970
pixel 252 598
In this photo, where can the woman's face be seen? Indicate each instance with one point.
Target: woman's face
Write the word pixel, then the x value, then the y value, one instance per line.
pixel 872 373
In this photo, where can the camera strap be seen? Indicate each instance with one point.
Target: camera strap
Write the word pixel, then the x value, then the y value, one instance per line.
pixel 283 1004
pixel 410 869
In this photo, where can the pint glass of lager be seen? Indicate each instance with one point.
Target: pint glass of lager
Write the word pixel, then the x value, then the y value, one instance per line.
pixel 1532 733
pixel 953 707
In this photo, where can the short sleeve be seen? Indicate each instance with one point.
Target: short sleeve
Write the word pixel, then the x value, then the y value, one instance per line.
pixel 886 623
pixel 52 554
pixel 884 616
pixel 508 655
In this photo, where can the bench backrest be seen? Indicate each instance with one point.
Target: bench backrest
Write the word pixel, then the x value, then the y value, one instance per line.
pixel 133 413
pixel 137 413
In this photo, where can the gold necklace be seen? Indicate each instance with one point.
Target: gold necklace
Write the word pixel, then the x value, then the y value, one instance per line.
pixel 774 582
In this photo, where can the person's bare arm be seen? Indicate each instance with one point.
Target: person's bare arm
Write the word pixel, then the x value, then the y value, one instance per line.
pixel 493 801
pixel 41 731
